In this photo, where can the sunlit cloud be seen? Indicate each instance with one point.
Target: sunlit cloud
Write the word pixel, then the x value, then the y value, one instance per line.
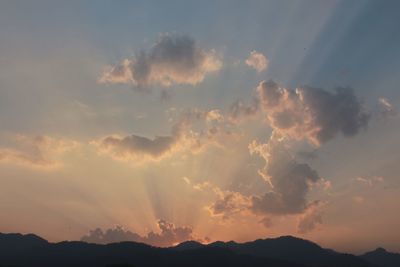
pixel 370 181
pixel 386 108
pixel 37 152
pixel 184 137
pixel 168 235
pixel 228 203
pixel 311 113
pixel 257 61
pixel 311 218
pixel 290 181
pixel 173 59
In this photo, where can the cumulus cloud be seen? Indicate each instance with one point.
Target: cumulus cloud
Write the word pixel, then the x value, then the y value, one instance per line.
pixel 257 61
pixel 38 151
pixel 135 146
pixel 168 235
pixel 173 59
pixel 290 180
pixel 310 219
pixel 228 203
pixel 311 113
pixel 183 137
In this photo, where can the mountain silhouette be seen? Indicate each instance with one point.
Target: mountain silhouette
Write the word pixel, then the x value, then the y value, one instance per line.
pixel 33 251
pixel 188 245
pixel 382 258
pixel 294 250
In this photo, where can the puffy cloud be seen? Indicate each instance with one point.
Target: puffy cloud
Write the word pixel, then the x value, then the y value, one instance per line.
pixel 173 59
pixel 169 235
pixel 139 148
pixel 228 203
pixel 214 115
pixel 311 113
pixel 290 180
pixel 135 146
pixel 112 235
pixel 257 61
pixel 310 219
pixel 183 137
pixel 386 108
pixel 39 151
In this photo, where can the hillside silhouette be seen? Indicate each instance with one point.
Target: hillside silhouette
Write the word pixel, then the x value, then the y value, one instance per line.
pixel 286 251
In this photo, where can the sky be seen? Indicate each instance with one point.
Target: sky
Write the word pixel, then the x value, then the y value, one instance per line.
pixel 163 121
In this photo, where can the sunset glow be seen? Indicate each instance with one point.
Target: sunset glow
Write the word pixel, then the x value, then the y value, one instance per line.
pixel 166 121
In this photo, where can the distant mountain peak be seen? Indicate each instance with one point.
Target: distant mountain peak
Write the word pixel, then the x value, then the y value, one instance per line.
pixel 380 250
pixel 18 236
pixel 383 258
pixel 187 245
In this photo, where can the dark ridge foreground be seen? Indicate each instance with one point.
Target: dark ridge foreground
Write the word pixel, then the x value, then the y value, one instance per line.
pixel 31 250
pixel 381 257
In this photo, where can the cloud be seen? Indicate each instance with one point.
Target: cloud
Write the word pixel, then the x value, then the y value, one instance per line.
pixel 214 115
pixel 310 219
pixel 370 181
pixel 239 110
pixel 183 137
pixel 386 108
pixel 39 151
pixel 168 235
pixel 309 155
pixel 173 59
pixel 228 203
pixel 257 61
pixel 290 180
pixel 267 222
pixel 139 148
pixel 135 146
pixel 311 113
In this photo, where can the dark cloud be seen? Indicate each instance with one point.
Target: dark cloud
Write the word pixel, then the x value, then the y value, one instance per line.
pixel 135 145
pixel 169 235
pixel 311 113
pixel 172 59
pixel 289 180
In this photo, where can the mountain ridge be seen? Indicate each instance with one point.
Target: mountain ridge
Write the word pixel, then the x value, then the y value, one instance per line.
pixel 286 251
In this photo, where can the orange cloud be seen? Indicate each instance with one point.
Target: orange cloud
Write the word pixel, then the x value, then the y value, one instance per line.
pixel 257 61
pixel 169 235
pixel 39 151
